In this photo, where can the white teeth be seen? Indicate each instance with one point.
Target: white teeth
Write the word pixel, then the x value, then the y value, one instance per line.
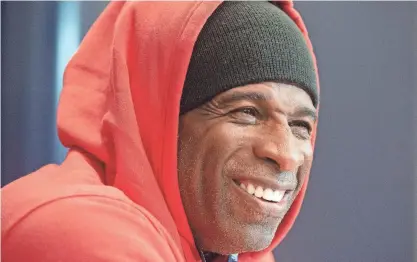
pixel 268 194
pixel 278 195
pixel 259 192
pixel 250 189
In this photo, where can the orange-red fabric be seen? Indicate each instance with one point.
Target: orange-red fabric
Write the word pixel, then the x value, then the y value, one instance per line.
pixel 115 197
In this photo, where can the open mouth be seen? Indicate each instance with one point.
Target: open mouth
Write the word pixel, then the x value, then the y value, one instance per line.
pixel 262 192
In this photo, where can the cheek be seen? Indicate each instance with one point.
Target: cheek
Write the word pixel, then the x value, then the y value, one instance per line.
pixel 217 147
pixel 307 150
pixel 201 152
pixel 303 171
pixel 187 156
pixel 201 158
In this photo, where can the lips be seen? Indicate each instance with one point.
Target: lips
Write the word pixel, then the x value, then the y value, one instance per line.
pixel 258 209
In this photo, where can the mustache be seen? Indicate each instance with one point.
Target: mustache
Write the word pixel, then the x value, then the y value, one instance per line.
pixel 286 177
pixel 262 171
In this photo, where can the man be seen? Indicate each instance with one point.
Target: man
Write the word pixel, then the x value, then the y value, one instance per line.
pixel 190 129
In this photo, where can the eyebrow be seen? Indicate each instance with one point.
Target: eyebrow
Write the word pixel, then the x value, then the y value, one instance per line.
pixel 301 111
pixel 239 96
pixel 304 111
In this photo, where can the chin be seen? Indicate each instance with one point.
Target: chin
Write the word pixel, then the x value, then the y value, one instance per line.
pixel 257 241
pixel 257 238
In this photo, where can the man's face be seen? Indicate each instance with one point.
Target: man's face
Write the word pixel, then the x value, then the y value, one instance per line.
pixel 250 138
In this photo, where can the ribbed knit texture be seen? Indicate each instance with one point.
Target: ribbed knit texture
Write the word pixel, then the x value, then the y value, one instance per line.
pixel 244 43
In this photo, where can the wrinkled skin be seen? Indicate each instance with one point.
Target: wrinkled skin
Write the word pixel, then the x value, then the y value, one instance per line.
pixel 263 133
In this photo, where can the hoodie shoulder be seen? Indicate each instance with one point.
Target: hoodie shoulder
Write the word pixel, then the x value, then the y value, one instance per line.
pixel 87 228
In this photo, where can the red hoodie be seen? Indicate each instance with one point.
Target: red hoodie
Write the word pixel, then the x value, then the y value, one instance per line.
pixel 116 196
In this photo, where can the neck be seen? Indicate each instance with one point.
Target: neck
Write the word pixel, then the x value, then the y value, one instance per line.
pixel 207 256
pixel 211 257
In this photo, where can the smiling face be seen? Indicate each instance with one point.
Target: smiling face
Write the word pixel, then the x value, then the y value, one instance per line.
pixel 242 159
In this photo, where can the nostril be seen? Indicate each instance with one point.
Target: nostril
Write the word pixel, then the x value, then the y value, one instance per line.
pixel 270 160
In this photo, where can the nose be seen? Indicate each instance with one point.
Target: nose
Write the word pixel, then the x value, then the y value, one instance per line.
pixel 280 149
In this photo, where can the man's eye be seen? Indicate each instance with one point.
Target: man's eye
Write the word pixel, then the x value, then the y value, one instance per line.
pixel 249 111
pixel 247 115
pixel 301 129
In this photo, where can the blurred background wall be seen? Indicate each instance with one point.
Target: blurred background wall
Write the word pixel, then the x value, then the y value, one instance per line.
pixel 361 200
pixel 361 203
pixel 38 38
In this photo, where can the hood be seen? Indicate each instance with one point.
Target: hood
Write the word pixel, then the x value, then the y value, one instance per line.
pixel 120 104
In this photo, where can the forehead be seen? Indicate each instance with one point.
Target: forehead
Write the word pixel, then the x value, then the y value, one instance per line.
pixel 285 95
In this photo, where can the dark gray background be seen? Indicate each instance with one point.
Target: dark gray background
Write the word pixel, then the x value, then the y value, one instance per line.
pixel 360 205
pixel 360 202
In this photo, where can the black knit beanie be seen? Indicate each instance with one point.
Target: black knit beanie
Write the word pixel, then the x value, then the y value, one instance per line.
pixel 245 43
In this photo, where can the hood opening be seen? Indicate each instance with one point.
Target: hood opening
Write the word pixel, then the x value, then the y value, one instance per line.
pixel 120 104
